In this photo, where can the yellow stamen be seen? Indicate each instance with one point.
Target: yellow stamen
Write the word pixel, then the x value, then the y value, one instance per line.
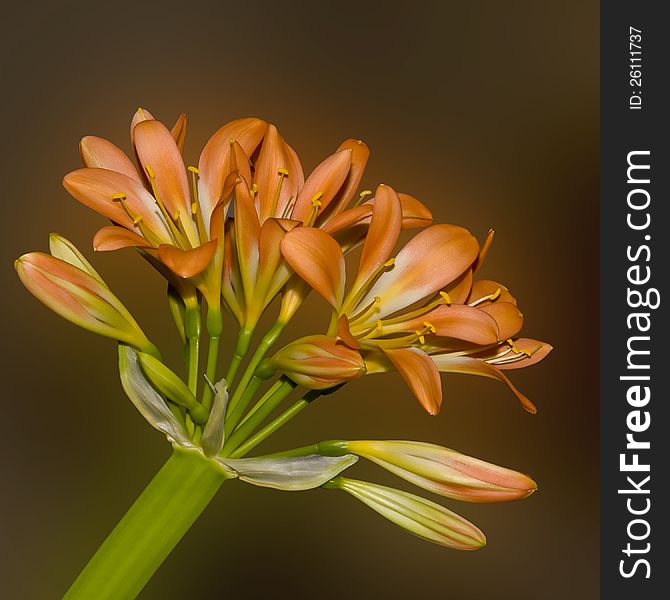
pixel 316 199
pixel 253 190
pixel 119 196
pixel 137 220
pixel 365 313
pixel 495 294
pixel 430 326
pixel 361 197
pixel 193 169
pixel 390 262
pixel 420 337
pixel 446 297
pixel 379 325
pixel 283 173
pixel 150 172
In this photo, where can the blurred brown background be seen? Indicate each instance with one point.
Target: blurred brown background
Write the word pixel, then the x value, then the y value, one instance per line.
pixel 487 111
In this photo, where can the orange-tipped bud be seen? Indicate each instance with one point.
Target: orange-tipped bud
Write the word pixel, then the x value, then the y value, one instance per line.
pixel 443 471
pixel 80 297
pixel 318 362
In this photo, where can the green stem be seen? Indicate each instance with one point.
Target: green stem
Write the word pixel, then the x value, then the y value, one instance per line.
pixel 233 417
pixel 266 343
pixel 150 529
pixel 193 358
pixel 264 407
pixel 270 428
pixel 212 360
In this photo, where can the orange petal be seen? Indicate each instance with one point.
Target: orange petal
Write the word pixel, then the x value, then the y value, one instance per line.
pixel 178 132
pixel 474 366
pixel 323 183
pixel 231 287
pixel 96 187
pixel 273 158
pixel 269 246
pixel 508 317
pixel 158 151
pixel 344 333
pixel 351 216
pixel 99 153
pixel 382 234
pixel 140 115
pixel 421 375
pixel 429 262
pixel 537 349
pixel 318 259
pixel 459 289
pixel 114 238
pixel 187 263
pixel 247 231
pixel 359 159
pixel 215 159
pixel 414 212
pixel 456 321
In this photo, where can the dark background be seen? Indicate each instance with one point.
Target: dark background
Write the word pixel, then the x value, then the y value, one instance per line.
pixel 486 111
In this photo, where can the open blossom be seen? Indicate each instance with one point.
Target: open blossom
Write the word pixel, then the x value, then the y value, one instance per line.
pixel 396 303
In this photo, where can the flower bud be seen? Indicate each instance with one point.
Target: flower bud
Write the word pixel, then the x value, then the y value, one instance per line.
pixel 441 470
pixel 318 362
pixel 171 386
pixel 81 298
pixel 419 516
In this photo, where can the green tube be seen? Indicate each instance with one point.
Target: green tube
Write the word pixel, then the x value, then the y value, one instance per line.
pixel 150 529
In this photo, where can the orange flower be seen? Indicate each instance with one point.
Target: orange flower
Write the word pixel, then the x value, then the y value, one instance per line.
pixel 395 303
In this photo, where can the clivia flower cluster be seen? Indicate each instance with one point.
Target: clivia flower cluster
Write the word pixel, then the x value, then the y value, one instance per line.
pixel 245 232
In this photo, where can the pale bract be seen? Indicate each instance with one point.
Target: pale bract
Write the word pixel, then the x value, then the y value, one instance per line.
pixel 281 473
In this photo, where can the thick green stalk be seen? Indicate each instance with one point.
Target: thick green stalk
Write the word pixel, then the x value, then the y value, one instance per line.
pixel 150 529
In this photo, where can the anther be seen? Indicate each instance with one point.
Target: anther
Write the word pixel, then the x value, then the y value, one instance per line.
pixel 137 220
pixel 379 325
pixel 283 172
pixel 365 193
pixel 194 208
pixel 495 294
pixel 150 172
pixel 194 169
pixel 119 196
pixel 316 199
pixel 446 297
pixel 421 337
pixel 253 190
pixel 430 326
pixel 390 262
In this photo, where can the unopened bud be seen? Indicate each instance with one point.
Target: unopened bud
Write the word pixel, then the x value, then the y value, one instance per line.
pixel 318 362
pixel 442 471
pixel 419 516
